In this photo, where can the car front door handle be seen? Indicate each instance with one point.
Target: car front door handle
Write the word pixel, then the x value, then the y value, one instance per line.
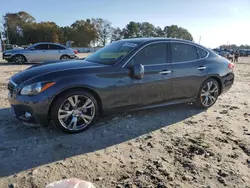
pixel 201 68
pixel 165 72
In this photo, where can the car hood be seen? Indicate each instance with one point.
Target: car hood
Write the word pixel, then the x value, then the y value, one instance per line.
pixel 52 66
pixel 14 51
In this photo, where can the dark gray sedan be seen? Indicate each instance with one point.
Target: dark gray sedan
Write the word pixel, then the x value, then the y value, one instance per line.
pixel 125 75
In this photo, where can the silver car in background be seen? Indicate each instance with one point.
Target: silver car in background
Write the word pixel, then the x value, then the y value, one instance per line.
pixel 39 52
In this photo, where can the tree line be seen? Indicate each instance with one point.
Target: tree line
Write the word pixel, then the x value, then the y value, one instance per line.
pixel 21 28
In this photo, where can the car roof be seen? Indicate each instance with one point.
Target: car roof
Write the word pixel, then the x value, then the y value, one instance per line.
pixel 47 43
pixel 155 39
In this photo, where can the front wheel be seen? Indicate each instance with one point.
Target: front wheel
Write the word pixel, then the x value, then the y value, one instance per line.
pixel 208 94
pixel 19 59
pixel 74 111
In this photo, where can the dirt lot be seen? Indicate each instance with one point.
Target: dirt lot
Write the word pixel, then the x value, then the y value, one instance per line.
pixel 178 146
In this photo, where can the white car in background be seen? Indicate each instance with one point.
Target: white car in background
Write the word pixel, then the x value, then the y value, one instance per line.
pixel 39 52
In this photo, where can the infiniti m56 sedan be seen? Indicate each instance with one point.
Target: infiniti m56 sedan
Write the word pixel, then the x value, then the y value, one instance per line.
pixel 125 75
pixel 39 52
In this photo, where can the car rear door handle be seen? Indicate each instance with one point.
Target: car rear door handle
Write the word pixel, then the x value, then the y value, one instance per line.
pixel 165 72
pixel 201 68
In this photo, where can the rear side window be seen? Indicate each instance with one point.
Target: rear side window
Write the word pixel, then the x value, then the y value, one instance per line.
pixel 152 54
pixel 42 47
pixel 183 52
pixel 202 53
pixel 55 47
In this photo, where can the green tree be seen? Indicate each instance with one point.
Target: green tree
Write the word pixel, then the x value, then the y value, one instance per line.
pixel 117 34
pixel 146 29
pixel 46 32
pixel 13 26
pixel 132 30
pixel 83 33
pixel 104 30
pixel 174 31
pixel 65 34
pixel 159 32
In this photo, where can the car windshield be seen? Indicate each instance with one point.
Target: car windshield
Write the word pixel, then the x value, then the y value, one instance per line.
pixel 112 53
pixel 30 46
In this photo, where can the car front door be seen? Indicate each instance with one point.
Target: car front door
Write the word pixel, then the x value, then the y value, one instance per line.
pixel 189 69
pixel 38 53
pixel 154 87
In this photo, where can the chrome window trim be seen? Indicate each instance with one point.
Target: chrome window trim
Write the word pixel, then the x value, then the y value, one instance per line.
pixel 194 45
pixel 169 41
pixel 155 42
pixel 156 64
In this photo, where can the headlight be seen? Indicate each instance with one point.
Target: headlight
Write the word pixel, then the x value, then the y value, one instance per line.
pixel 36 88
pixel 7 54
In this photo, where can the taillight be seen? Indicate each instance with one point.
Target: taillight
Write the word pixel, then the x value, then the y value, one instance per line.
pixel 75 51
pixel 231 65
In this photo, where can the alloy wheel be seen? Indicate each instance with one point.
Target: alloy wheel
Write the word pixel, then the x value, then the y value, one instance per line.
pixel 76 112
pixel 19 59
pixel 209 93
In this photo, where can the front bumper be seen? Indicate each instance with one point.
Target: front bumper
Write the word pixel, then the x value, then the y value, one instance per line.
pixel 7 57
pixel 73 57
pixel 22 106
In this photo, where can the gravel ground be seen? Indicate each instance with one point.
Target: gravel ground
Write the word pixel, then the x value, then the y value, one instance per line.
pixel 177 146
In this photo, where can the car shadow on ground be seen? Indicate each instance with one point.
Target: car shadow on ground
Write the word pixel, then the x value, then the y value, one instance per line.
pixel 11 64
pixel 22 147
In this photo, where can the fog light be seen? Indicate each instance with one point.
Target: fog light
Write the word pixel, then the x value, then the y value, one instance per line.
pixel 27 115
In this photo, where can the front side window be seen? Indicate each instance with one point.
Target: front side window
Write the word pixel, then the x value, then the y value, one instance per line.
pixel 113 52
pixel 183 52
pixel 42 47
pixel 151 55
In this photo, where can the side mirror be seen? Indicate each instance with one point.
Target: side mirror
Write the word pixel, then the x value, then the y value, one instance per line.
pixel 138 71
pixel 32 48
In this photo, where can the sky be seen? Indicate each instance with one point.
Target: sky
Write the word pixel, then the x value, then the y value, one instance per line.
pixel 215 21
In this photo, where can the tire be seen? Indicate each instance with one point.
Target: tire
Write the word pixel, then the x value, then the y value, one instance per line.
pixel 64 57
pixel 205 98
pixel 63 107
pixel 19 59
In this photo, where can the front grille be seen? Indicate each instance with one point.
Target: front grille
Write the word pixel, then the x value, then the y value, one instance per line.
pixel 11 87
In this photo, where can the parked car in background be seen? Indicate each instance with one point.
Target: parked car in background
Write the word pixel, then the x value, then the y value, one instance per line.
pixel 12 47
pixel 124 75
pixel 243 52
pixel 39 52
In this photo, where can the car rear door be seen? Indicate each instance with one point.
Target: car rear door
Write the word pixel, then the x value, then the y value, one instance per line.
pixel 154 87
pixel 189 69
pixel 55 52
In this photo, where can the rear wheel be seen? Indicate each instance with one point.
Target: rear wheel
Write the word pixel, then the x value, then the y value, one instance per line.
pixel 64 57
pixel 208 94
pixel 19 59
pixel 74 111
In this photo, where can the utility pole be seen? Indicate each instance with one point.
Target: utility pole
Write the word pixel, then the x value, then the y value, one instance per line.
pixel 200 40
pixel 1 41
pixel 1 47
